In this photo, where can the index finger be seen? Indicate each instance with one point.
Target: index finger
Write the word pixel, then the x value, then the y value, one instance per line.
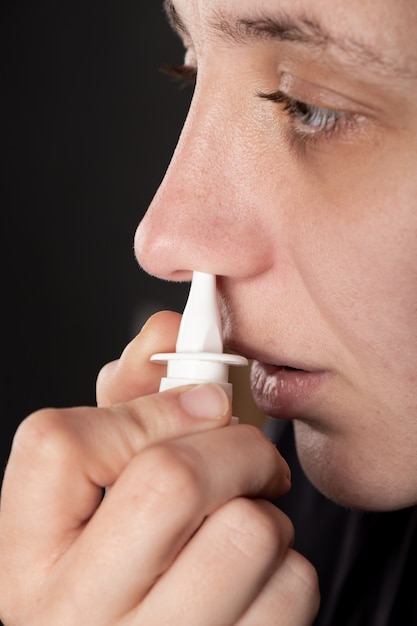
pixel 133 374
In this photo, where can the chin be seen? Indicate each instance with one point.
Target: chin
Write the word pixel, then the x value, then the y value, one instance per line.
pixel 353 480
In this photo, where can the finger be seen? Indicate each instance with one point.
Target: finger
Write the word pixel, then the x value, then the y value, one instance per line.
pixel 223 568
pixel 291 596
pixel 61 460
pixel 157 504
pixel 134 374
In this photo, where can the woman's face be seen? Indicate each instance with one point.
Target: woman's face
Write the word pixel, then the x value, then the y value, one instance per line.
pixel 295 181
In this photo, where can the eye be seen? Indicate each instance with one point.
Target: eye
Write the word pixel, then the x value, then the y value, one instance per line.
pixel 309 118
pixel 313 116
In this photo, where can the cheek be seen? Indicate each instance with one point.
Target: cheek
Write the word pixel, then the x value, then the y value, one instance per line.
pixel 356 249
pixel 357 253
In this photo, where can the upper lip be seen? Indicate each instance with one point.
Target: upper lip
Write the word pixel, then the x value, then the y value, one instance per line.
pixel 278 360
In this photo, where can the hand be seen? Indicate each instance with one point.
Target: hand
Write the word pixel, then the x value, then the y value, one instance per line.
pixel 184 535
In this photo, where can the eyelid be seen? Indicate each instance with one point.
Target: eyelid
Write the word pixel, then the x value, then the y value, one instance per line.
pixel 322 97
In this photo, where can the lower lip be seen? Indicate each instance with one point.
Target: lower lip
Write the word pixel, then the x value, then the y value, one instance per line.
pixel 284 393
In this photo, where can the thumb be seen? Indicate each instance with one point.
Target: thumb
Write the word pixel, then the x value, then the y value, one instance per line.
pixel 133 374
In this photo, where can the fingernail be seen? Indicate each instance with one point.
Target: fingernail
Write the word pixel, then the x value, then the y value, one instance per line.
pixel 206 401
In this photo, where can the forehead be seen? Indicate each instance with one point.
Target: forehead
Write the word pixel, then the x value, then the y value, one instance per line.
pixel 384 29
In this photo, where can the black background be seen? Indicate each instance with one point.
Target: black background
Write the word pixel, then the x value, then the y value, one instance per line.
pixel 88 126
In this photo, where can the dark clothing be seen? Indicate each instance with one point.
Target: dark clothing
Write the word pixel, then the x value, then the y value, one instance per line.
pixel 366 562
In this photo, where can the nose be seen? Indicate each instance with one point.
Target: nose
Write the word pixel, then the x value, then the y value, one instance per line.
pixel 206 215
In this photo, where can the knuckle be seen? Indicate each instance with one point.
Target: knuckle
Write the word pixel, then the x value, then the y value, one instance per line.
pixel 257 528
pixel 257 438
pixel 264 449
pixel 42 435
pixel 171 472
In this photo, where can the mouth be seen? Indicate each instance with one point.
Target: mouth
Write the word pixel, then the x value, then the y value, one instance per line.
pixel 282 391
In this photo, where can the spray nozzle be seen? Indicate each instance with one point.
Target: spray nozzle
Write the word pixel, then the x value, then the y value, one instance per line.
pixel 199 353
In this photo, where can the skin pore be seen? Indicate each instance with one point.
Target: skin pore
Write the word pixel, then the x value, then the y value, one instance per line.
pixel 295 182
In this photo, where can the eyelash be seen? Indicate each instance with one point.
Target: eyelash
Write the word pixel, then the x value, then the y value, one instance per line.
pixel 185 75
pixel 309 123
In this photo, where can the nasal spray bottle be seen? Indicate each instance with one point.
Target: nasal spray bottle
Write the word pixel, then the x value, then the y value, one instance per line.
pixel 199 356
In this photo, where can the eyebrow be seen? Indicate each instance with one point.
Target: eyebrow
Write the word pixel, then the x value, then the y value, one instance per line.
pixel 296 29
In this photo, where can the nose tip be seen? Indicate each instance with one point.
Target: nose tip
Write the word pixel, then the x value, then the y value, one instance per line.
pixel 157 244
